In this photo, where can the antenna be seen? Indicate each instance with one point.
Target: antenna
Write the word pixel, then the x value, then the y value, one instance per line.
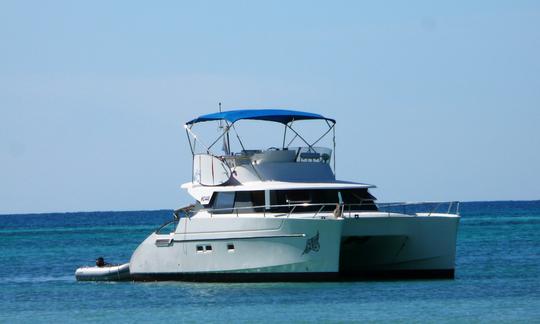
pixel 220 123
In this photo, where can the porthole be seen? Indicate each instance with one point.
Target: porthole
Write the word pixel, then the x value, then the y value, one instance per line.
pixel 204 248
pixel 230 247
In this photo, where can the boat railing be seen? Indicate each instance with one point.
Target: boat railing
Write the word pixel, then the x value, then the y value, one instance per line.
pixel 352 210
pixel 171 225
pixel 299 154
pixel 168 227
pixel 422 208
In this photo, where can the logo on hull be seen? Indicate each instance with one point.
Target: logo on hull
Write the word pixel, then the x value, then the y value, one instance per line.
pixel 312 244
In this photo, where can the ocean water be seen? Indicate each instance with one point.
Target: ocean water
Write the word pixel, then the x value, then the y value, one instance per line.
pixel 497 277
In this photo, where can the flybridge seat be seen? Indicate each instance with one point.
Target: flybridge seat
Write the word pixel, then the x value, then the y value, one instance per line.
pixel 314 154
pixel 310 156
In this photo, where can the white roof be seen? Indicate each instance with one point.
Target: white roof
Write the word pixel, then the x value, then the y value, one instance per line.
pixel 203 193
pixel 277 185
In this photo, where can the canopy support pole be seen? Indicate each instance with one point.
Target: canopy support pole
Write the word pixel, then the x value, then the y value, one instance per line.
pixel 323 135
pixel 192 154
pixel 284 136
pixel 310 147
pixel 189 141
pixel 295 136
pixel 195 139
pixel 243 148
pixel 220 137
pixel 334 149
pixel 238 137
pixel 228 139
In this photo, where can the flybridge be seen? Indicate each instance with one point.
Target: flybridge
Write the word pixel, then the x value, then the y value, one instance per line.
pixel 285 163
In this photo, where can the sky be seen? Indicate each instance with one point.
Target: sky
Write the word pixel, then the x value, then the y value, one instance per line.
pixel 433 100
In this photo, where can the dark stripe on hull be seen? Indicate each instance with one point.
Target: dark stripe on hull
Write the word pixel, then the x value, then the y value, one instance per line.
pixel 296 276
pixel 238 277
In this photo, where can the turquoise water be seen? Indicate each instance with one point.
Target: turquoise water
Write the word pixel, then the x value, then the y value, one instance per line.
pixel 497 277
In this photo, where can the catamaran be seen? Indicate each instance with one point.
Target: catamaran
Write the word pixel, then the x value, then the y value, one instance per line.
pixel 280 214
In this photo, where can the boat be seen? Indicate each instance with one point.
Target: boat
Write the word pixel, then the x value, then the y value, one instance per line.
pixel 280 214
pixel 118 272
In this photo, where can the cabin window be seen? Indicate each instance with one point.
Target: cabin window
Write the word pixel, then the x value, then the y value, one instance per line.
pixel 297 196
pixel 358 199
pixel 245 201
pixel 223 202
pixel 249 201
pixel 230 247
pixel 238 202
pixel 310 196
pixel 361 199
pixel 325 196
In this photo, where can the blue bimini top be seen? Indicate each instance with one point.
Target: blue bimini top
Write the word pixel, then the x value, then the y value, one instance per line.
pixel 275 115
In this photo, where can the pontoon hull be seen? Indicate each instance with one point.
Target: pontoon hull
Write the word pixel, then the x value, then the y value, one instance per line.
pixel 399 246
pixel 244 249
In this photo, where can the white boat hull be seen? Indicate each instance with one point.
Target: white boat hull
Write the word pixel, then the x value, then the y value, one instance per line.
pixel 242 248
pixel 399 245
pixel 270 248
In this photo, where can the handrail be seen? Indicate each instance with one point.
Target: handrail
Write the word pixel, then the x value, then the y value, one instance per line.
pixel 452 206
pixel 318 211
pixel 165 225
pixel 289 212
pixel 187 210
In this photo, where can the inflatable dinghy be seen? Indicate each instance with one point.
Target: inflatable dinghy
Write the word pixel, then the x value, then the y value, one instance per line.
pixel 104 273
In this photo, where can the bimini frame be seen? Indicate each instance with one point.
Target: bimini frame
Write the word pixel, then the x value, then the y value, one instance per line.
pixel 286 117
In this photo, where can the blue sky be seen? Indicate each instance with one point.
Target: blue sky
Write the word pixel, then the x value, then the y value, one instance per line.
pixel 434 101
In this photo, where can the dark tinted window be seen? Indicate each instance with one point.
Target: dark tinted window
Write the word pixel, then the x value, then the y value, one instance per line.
pixel 324 196
pixel 246 199
pixel 310 196
pixel 296 196
pixel 358 199
pixel 224 201
pixel 238 202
